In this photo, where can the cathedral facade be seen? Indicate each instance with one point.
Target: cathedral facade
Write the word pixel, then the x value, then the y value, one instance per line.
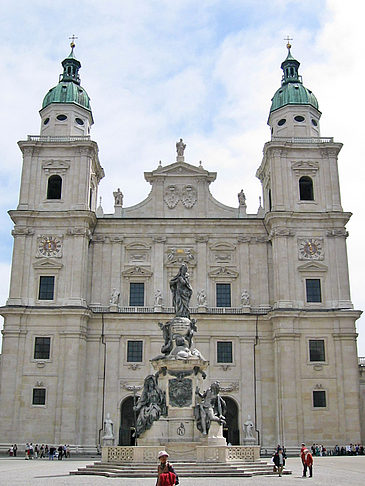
pixel 88 289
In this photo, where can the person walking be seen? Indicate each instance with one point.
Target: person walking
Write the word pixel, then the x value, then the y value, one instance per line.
pixel 279 460
pixel 15 448
pixel 166 475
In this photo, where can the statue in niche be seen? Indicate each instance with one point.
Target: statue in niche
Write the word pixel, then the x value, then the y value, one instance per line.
pixel 158 298
pixel 108 427
pixel 150 406
pixel 245 298
pixel 210 408
pixel 181 292
pixel 180 147
pixel 202 298
pixel 114 297
pixel 241 198
pixel 249 427
pixel 118 198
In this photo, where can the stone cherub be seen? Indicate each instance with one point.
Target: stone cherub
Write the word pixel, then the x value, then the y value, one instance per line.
pixel 210 408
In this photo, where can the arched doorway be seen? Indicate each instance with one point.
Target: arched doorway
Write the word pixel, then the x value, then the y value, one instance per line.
pixel 126 429
pixel 231 430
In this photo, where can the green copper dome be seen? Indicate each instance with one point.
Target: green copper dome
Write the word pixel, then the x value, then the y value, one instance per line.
pixel 292 91
pixel 68 90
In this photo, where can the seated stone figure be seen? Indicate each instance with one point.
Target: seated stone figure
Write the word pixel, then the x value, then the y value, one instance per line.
pixel 150 406
pixel 212 408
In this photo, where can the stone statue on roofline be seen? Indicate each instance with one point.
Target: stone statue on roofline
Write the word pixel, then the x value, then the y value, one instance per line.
pixel 180 148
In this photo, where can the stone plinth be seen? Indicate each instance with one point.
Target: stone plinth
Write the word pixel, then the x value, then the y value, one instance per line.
pixel 186 451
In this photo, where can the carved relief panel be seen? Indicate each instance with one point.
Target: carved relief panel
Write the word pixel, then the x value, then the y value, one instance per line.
pixel 138 253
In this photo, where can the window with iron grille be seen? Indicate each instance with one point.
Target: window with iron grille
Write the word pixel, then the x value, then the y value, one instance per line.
pixel 136 294
pixel 134 351
pixel 316 350
pixel 224 352
pixel 42 347
pixel 319 398
pixel 223 293
pixel 313 290
pixel 46 288
pixel 39 396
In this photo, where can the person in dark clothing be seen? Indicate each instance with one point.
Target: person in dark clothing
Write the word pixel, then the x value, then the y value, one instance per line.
pixel 279 460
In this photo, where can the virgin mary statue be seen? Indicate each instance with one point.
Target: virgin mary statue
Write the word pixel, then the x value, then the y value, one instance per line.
pixel 181 292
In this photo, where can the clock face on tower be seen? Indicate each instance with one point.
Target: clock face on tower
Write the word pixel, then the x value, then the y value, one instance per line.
pixel 311 249
pixel 49 246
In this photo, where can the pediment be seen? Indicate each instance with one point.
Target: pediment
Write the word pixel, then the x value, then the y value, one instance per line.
pixel 223 246
pixel 56 164
pixel 180 169
pixel 136 271
pixel 313 267
pixel 47 263
pixel 138 246
pixel 223 272
pixel 305 166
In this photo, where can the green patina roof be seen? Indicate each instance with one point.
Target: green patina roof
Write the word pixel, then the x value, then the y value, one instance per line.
pixel 68 90
pixel 292 91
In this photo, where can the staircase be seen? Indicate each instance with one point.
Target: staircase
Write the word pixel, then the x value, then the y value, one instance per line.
pixel 183 469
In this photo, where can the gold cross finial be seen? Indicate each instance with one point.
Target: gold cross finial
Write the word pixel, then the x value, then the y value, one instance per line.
pixel 288 39
pixel 72 39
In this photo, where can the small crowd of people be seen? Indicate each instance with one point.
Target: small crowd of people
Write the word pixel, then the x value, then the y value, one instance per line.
pixel 347 450
pixel 42 451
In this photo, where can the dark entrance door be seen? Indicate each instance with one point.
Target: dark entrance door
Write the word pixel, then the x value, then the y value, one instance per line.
pixel 126 430
pixel 231 431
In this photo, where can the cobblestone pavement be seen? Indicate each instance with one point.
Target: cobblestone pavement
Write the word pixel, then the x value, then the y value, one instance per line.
pixel 328 471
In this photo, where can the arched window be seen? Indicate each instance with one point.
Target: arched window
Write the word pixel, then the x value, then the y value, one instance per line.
pixel 54 187
pixel 306 189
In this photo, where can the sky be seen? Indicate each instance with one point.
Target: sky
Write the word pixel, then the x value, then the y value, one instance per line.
pixel 158 70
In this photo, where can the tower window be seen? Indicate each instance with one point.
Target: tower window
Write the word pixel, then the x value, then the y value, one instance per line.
pixel 306 189
pixel 79 121
pixel 223 293
pixel 46 288
pixel 39 396
pixel 281 122
pixel 54 187
pixel 62 117
pixel 299 118
pixel 316 350
pixel 319 399
pixel 224 352
pixel 134 351
pixel 136 294
pixel 313 290
pixel 46 121
pixel 42 347
pixel 314 122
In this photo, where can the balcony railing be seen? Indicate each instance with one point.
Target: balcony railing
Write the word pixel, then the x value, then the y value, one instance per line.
pixel 170 310
pixel 303 139
pixel 361 361
pixel 58 138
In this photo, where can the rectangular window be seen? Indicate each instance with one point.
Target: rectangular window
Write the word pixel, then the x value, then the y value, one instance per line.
pixel 136 294
pixel 316 350
pixel 319 399
pixel 46 288
pixel 224 352
pixel 313 289
pixel 134 351
pixel 39 396
pixel 223 291
pixel 42 347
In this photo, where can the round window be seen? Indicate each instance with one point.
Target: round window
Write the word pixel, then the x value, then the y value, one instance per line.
pixel 79 121
pixel 314 122
pixel 46 121
pixel 61 117
pixel 281 122
pixel 299 118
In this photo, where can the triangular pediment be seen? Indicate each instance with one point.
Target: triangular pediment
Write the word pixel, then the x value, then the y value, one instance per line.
pixel 180 169
pixel 47 263
pixel 223 272
pixel 312 267
pixel 136 271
